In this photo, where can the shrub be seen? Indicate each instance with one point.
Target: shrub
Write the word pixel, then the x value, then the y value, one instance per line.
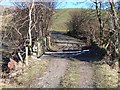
pixel 81 24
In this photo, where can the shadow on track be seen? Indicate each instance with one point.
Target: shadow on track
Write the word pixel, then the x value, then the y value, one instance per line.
pixel 91 53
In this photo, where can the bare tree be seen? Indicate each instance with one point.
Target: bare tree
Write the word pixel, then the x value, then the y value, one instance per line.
pixel 109 29
pixel 116 25
pixel 98 6
pixel 29 24
pixel 83 25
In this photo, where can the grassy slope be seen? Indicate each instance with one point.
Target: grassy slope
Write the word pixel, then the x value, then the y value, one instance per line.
pixel 59 19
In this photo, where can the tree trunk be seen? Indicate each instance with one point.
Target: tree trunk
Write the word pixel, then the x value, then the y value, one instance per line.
pixel 117 33
pixel 98 11
pixel 30 24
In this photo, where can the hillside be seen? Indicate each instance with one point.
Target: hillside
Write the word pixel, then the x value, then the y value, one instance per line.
pixel 3 8
pixel 61 17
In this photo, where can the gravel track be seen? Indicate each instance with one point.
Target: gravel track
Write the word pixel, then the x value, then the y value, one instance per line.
pixel 51 78
pixel 86 75
pixel 57 68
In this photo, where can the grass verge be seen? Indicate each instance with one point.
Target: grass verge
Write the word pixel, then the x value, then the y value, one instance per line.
pixel 105 76
pixel 35 69
pixel 2 85
pixel 70 79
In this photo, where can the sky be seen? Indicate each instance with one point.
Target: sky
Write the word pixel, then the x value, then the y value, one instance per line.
pixel 61 3
pixel 6 2
pixel 74 5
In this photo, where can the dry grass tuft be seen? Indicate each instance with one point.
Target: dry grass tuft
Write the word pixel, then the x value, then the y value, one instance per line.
pixel 105 76
pixel 29 73
pixel 70 79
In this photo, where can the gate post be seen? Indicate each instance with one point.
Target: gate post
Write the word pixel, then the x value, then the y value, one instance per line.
pixel 39 48
pixel 26 61
pixel 49 42
pixel 26 51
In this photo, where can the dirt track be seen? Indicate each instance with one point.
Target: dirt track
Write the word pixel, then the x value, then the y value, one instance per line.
pixel 86 75
pixel 56 70
pixel 51 78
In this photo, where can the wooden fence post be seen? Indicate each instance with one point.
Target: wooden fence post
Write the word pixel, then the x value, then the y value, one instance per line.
pixel 26 61
pixel 49 42
pixel 39 48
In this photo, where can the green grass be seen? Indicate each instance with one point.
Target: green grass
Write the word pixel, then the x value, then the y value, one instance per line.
pixel 70 79
pixel 59 19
